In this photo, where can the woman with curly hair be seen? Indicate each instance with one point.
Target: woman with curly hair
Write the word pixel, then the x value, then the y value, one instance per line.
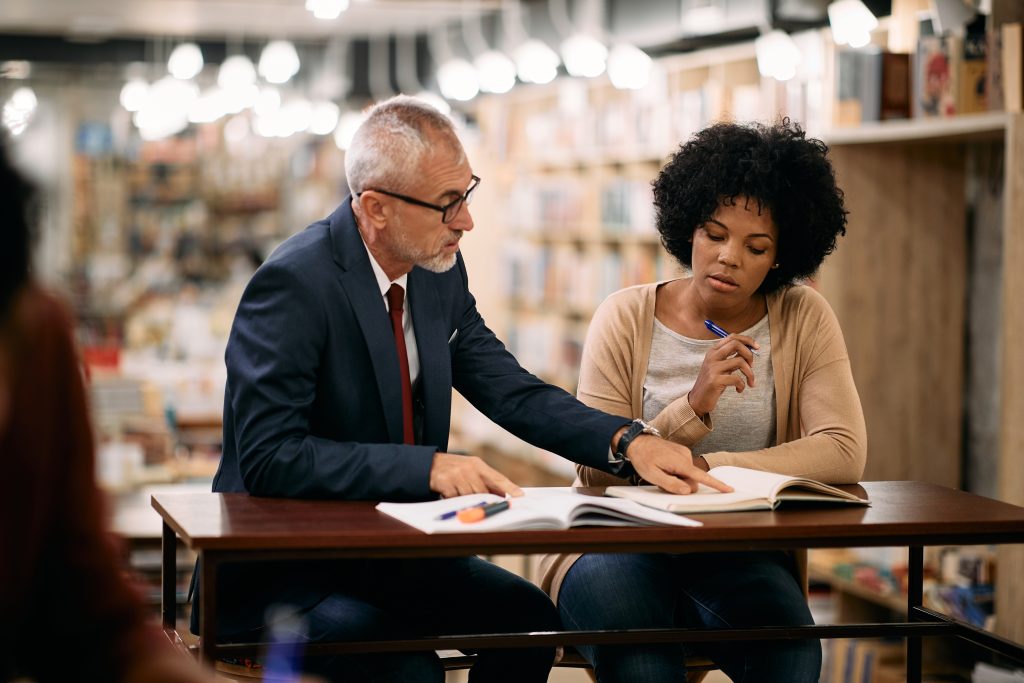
pixel 750 211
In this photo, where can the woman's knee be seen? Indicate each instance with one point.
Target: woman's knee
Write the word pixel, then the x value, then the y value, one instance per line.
pixel 616 591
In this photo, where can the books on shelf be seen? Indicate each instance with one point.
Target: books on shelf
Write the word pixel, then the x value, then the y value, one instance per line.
pixel 872 85
pixel 858 86
pixel 556 507
pixel 858 660
pixel 936 72
pixel 895 87
pixel 753 490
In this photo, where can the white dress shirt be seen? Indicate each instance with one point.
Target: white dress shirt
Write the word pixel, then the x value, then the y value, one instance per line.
pixel 410 336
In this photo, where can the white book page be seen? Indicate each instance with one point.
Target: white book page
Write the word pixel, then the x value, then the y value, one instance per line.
pixel 550 507
pixel 705 499
pixel 753 490
pixel 755 483
pixel 779 486
pixel 578 509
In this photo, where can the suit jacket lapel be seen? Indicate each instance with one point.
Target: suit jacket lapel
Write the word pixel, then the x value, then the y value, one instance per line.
pixel 360 286
pixel 435 360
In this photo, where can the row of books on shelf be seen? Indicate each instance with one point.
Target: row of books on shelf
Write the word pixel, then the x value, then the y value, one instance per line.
pixel 579 208
pixel 638 126
pixel 958 580
pixel 950 74
pixel 564 277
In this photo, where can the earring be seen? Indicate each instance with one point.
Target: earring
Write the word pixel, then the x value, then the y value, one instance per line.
pixel 776 265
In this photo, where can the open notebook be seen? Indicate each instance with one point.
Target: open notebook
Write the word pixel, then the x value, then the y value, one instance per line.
pixel 539 508
pixel 753 490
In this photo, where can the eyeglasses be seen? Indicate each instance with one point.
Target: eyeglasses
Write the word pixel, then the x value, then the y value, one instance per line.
pixel 448 212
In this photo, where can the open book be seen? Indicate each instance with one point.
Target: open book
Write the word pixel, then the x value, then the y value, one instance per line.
pixel 539 508
pixel 753 490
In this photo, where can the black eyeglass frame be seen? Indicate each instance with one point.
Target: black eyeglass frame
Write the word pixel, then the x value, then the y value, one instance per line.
pixel 455 204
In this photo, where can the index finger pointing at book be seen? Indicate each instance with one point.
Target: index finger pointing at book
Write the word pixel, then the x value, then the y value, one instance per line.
pixel 698 476
pixel 706 478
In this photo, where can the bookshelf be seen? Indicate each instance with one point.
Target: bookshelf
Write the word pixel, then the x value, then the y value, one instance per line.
pixel 898 282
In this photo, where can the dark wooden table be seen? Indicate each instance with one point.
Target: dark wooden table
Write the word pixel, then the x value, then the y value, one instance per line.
pixel 238 527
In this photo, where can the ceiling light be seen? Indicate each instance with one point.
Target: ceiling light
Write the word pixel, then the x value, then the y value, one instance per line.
pixel 279 61
pixel 777 55
pixel 325 118
pixel 496 71
pixel 166 109
pixel 211 106
pixel 458 80
pixel 236 71
pixel 267 101
pixel 18 110
pixel 327 9
pixel 629 67
pixel 133 94
pixel 536 62
pixel 186 61
pixel 852 23
pixel 346 130
pixel 584 55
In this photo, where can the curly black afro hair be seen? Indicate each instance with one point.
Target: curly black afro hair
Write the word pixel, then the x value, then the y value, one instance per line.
pixel 777 168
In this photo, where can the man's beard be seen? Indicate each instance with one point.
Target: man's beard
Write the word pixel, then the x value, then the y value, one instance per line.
pixel 437 263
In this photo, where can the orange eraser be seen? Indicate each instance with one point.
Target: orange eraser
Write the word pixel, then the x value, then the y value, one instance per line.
pixel 470 515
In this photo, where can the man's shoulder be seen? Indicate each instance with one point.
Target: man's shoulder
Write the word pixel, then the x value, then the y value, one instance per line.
pixel 307 245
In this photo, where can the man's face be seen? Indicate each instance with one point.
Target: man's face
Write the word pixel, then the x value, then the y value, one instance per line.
pixel 416 235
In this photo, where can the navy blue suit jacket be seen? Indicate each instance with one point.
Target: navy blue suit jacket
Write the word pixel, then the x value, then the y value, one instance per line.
pixel 313 399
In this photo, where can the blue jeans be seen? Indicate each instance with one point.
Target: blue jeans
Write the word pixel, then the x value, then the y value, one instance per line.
pixel 377 599
pixel 709 590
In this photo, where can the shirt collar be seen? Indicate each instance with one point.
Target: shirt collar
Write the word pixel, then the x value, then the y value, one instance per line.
pixel 383 283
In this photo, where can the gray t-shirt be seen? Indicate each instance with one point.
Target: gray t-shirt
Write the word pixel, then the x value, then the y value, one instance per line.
pixel 742 422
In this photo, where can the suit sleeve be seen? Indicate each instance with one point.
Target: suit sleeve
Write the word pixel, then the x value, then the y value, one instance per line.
pixel 273 365
pixel 541 414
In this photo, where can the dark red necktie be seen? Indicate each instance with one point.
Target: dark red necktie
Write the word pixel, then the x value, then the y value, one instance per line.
pixel 395 298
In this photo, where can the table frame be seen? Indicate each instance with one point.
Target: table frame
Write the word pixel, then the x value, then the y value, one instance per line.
pixel 237 527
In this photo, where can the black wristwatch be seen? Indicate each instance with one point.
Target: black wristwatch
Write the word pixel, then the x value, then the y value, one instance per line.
pixel 637 428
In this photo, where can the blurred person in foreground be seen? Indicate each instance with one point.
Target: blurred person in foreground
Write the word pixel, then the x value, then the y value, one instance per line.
pixel 341 362
pixel 67 610
pixel 750 211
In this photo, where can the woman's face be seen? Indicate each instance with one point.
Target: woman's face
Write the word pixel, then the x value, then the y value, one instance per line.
pixel 733 252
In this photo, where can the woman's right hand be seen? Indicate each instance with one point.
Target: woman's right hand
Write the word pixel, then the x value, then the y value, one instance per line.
pixel 719 372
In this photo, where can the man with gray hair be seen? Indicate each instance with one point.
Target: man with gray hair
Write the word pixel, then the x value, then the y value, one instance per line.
pixel 342 358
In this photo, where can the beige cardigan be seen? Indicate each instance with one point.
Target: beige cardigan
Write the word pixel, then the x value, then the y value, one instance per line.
pixel 820 428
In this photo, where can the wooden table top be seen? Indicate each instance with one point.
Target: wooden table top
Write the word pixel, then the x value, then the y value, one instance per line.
pixel 902 513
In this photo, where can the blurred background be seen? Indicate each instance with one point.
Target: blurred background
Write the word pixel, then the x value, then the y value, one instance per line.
pixel 176 143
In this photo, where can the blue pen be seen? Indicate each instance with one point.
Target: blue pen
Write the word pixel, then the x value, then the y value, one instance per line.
pixel 723 334
pixel 451 513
